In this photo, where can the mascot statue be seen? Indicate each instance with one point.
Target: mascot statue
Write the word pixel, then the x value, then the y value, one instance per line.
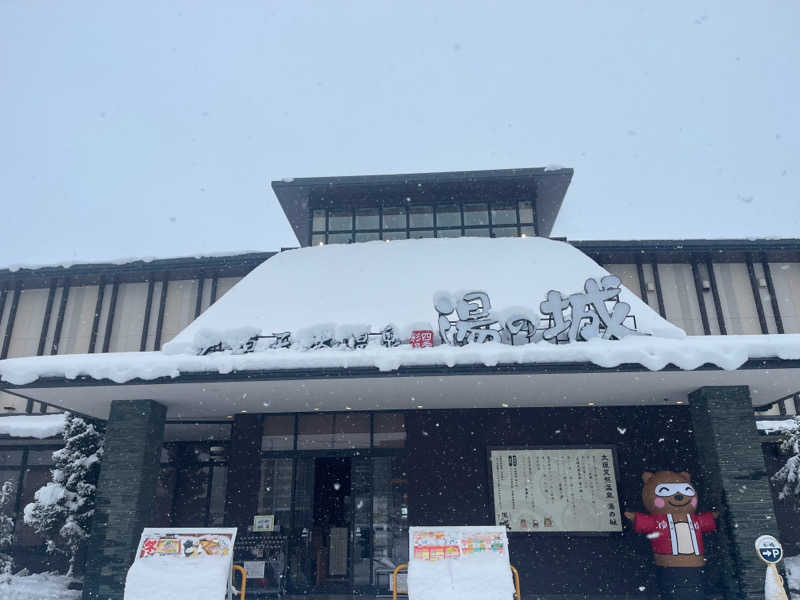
pixel 675 530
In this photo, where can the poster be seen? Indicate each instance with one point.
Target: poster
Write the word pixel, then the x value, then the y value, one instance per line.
pixel 264 523
pixel 185 543
pixel 551 490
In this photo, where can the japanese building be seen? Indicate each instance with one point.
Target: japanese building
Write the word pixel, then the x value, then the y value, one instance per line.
pixel 299 384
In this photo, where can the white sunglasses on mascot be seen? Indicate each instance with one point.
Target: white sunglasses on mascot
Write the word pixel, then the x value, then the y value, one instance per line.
pixel 670 489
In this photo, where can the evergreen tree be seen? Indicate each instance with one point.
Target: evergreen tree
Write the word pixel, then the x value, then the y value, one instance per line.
pixel 62 510
pixel 788 477
pixel 6 529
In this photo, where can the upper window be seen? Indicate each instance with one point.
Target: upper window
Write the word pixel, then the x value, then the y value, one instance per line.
pixel 341 225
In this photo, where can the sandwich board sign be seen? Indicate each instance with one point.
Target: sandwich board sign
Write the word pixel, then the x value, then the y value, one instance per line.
pixel 191 563
pixel 459 563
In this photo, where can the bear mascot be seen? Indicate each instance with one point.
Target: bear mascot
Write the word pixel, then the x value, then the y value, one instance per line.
pixel 675 530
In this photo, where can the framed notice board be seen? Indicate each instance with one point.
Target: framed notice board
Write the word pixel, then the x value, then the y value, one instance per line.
pixel 556 489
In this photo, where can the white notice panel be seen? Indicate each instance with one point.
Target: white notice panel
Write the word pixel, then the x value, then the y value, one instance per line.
pixel 555 490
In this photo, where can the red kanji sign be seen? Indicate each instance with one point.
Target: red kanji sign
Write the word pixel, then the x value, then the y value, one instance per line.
pixel 421 339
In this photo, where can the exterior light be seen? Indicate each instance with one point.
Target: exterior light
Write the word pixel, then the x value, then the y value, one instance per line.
pixel 316 409
pixel 419 405
pixel 679 402
pixel 229 417
pixel 524 235
pixel 347 408
pixel 504 405
pixel 591 403
pixel 244 411
pixel 322 243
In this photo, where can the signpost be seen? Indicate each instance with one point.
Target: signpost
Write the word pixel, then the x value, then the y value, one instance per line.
pixel 771 552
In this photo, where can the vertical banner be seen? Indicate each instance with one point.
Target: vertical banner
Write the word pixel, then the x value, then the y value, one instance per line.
pixel 549 490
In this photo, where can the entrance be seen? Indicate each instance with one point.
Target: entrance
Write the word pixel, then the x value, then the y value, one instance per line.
pixel 332 525
pixel 337 486
pixel 332 534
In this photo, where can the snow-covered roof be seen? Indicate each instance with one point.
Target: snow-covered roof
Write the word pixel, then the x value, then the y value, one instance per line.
pixel 35 426
pixel 377 283
pixel 776 426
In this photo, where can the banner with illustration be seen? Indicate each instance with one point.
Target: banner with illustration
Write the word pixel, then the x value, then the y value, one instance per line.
pixel 549 490
pixel 193 563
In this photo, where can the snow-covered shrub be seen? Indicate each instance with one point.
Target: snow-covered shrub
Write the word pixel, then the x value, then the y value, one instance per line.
pixel 6 529
pixel 62 509
pixel 788 476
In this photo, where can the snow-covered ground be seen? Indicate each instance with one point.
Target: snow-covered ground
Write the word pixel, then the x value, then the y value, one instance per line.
pixel 41 586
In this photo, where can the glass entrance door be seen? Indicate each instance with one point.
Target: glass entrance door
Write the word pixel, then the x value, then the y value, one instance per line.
pixel 336 483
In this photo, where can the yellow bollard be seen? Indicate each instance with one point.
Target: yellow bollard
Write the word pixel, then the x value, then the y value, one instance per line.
pixel 244 579
pixel 394 580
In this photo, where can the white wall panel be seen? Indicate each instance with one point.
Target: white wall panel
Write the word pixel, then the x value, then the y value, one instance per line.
pixel 78 318
pixel 708 299
pixel 103 321
pixel 154 304
pixel 28 323
pixel 736 297
pixel 786 279
pixel 51 328
pixel 179 309
pixel 680 298
pixel 126 331
pixel 628 275
pixel 224 284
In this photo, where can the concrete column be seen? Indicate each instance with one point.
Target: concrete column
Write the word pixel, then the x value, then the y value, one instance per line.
pixel 126 493
pixel 736 480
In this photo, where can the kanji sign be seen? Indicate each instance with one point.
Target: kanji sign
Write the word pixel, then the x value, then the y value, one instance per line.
pixel 421 339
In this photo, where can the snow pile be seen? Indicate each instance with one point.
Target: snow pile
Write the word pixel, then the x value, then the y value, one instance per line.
pixel 377 283
pixel 41 586
pixel 39 427
pixel 165 577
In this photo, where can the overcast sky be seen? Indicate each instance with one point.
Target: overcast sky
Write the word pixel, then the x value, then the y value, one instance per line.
pixel 132 129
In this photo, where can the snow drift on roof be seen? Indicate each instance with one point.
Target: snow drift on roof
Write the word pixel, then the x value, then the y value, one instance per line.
pixel 34 426
pixel 378 283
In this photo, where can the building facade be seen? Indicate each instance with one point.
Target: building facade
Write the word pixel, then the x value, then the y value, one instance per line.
pixel 353 479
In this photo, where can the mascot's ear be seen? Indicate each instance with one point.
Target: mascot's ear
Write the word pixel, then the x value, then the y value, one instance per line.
pixel 646 476
pixel 685 475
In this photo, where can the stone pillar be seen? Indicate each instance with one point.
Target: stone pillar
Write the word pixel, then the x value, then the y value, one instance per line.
pixel 126 493
pixel 735 480
pixel 244 471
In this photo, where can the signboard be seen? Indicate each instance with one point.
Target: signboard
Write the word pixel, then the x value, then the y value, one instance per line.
pixel 459 563
pixel 769 549
pixel 596 312
pixel 264 523
pixel 555 490
pixel 192 563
